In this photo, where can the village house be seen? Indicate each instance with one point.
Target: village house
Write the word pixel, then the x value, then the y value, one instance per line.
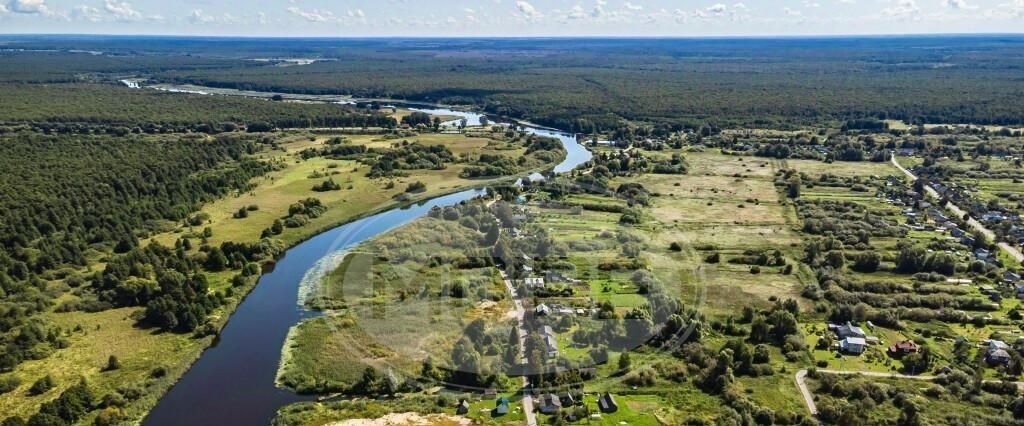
pixel 998 356
pixel 533 282
pixel 850 330
pixel 853 345
pixel 902 348
pixel 550 340
pixel 501 406
pixel 567 399
pixel 549 404
pixel 607 403
pixel 463 407
pixel 981 254
pixel 1011 277
pixel 997 352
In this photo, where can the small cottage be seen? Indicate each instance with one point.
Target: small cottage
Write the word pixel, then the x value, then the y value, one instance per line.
pixel 607 403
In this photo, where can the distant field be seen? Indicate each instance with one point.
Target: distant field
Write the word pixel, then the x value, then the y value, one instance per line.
pixel 843 168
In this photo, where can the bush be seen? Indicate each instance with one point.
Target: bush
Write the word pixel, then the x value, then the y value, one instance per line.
pixel 8 384
pixel 327 185
pixel 645 376
pixel 112 364
pixel 42 385
pixel 416 187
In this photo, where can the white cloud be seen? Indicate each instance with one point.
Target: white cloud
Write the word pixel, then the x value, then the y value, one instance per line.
pixel 198 17
pixel 738 11
pixel 29 7
pixel 792 13
pixel 261 18
pixel 527 11
pixel 1014 9
pixel 902 9
pixel 848 1
pixel 86 13
pixel 958 4
pixel 576 13
pixel 3 9
pixel 313 15
pixel 633 7
pixel 121 11
pixel 717 9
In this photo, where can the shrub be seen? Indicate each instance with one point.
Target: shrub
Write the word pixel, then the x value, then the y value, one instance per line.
pixel 416 187
pixel 42 385
pixel 645 376
pixel 8 384
pixel 112 364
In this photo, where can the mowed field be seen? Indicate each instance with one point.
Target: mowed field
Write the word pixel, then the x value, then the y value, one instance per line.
pixel 726 205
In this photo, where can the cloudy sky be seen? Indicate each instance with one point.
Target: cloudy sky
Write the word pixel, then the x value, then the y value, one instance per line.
pixel 510 17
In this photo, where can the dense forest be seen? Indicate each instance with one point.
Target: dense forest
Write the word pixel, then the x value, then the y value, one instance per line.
pixel 592 84
pixel 587 84
pixel 68 108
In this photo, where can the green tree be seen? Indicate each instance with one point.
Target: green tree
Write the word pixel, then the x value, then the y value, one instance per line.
pixel 624 361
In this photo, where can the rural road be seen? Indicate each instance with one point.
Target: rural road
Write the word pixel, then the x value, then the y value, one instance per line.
pixel 531 417
pixel 1013 251
pixel 809 398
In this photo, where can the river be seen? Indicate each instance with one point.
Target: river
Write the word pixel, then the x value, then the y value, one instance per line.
pixel 232 383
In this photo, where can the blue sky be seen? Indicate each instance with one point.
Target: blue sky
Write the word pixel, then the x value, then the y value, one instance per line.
pixel 511 17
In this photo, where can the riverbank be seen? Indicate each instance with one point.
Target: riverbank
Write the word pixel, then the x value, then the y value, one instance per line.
pixel 284 309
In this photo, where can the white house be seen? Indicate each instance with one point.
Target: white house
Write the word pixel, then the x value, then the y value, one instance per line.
pixel 853 345
pixel 533 281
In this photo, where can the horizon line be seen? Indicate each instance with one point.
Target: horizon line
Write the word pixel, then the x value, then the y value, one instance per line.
pixel 520 37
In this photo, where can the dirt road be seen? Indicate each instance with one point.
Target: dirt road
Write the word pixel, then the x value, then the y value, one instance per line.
pixel 1013 251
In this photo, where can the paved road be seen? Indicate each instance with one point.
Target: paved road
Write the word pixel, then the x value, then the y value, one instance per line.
pixel 809 398
pixel 531 417
pixel 1013 251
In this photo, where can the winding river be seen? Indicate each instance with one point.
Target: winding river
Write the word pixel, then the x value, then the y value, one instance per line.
pixel 232 383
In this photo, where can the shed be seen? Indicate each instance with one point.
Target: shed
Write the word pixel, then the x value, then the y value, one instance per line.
pixel 607 403
pixel 501 406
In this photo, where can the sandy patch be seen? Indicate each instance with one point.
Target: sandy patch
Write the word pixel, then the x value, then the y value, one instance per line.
pixel 408 419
